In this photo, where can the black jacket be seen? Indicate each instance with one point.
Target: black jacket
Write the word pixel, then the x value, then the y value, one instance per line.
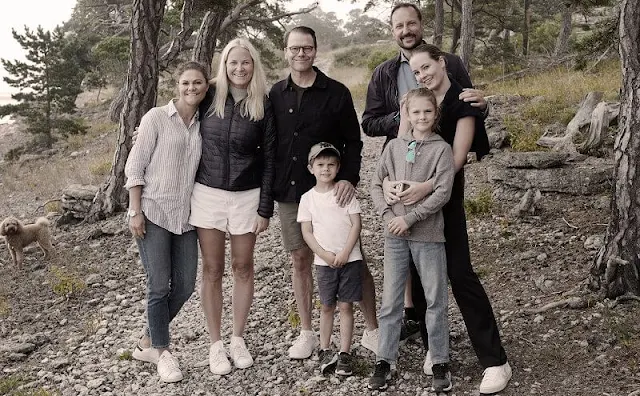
pixel 238 154
pixel 379 118
pixel 326 114
pixel 382 95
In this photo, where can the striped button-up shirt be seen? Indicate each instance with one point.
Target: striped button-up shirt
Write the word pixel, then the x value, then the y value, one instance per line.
pixel 164 161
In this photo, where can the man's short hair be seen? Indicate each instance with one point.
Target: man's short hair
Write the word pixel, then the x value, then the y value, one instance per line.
pixel 405 5
pixel 303 30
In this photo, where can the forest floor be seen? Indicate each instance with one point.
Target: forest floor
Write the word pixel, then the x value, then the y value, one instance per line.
pixel 77 316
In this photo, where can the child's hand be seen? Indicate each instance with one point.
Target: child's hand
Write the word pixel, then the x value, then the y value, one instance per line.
pixel 328 258
pixel 397 226
pixel 416 192
pixel 341 259
pixel 390 189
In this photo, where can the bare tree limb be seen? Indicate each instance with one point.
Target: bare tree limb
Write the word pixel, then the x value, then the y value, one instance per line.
pixel 279 16
pixel 573 302
pixel 177 44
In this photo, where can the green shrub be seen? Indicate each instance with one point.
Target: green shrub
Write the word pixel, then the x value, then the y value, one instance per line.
pixel 523 134
pixel 353 57
pixel 543 36
pixel 9 384
pixel 547 112
pixel 64 282
pixel 54 206
pixel 481 204
pixel 293 317
pixel 14 154
pixel 5 307
pixel 100 168
pixel 379 56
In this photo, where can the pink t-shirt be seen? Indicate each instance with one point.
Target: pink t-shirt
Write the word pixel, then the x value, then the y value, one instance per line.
pixel 331 223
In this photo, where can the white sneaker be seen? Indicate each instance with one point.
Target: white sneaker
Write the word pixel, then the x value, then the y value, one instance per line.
pixel 218 362
pixel 168 368
pixel 369 340
pixel 149 355
pixel 427 367
pixel 304 345
pixel 239 353
pixel 495 379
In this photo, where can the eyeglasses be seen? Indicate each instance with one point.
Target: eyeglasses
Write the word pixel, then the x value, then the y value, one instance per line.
pixel 411 152
pixel 296 49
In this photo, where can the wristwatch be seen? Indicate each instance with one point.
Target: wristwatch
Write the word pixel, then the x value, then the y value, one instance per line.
pixel 132 213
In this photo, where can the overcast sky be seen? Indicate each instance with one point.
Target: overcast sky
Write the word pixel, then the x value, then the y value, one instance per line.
pixel 49 13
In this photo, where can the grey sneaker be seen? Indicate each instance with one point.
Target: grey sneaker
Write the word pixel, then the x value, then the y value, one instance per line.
pixel 327 359
pixel 344 366
pixel 381 375
pixel 441 378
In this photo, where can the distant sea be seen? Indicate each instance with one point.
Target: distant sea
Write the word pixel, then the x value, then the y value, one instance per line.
pixel 5 98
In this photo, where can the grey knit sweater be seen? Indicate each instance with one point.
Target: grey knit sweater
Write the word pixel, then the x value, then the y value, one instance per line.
pixel 433 159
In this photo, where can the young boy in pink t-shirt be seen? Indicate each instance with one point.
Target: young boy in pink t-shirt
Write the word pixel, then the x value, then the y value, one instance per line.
pixel 333 234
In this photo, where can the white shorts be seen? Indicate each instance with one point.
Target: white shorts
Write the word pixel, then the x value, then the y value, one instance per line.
pixel 232 211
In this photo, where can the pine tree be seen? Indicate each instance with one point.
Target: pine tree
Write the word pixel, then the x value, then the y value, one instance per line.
pixel 48 83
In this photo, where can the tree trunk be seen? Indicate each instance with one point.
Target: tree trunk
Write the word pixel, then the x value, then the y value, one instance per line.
pixel 467 32
pixel 212 25
pixel 526 26
pixel 616 269
pixel 208 37
pixel 140 96
pixel 562 44
pixel 438 31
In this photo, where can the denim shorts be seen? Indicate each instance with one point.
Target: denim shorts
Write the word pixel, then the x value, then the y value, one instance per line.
pixel 342 284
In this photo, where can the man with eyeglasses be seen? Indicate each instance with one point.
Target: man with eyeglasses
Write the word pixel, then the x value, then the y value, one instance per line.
pixel 310 108
pixel 389 82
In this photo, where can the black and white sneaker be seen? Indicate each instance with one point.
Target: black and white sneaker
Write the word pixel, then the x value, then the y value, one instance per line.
pixel 345 365
pixel 327 359
pixel 409 330
pixel 441 378
pixel 381 375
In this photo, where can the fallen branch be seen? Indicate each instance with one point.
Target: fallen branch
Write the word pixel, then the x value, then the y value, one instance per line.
pixel 599 59
pixel 46 203
pixel 628 297
pixel 570 225
pixel 573 303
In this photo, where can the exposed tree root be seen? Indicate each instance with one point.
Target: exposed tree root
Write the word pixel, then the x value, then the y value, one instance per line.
pixel 572 302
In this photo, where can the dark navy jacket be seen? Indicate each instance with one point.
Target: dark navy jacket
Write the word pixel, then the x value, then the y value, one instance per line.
pixel 238 154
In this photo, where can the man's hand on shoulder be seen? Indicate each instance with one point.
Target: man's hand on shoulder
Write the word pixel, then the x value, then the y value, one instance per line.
pixel 344 192
pixel 475 97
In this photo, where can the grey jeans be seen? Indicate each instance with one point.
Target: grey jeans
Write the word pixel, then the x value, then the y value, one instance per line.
pixel 171 263
pixel 431 263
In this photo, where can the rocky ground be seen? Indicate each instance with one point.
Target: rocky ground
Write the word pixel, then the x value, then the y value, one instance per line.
pixel 68 325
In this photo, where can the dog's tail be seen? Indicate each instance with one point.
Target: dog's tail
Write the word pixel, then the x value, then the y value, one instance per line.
pixel 42 221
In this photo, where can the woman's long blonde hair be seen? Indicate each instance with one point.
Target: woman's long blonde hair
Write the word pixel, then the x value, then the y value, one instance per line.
pixel 253 105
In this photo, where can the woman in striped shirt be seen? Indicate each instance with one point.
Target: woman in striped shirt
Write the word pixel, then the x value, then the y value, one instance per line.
pixel 160 171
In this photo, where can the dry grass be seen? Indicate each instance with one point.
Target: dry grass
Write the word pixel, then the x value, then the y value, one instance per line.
pixel 565 85
pixel 49 177
pixel 559 93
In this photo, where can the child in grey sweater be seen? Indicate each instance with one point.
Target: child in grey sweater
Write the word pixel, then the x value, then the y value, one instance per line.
pixel 415 232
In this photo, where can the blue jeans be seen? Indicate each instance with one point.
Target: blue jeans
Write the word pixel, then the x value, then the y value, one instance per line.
pixel 431 263
pixel 171 263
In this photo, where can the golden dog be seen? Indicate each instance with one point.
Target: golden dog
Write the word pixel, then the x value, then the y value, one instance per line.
pixel 18 236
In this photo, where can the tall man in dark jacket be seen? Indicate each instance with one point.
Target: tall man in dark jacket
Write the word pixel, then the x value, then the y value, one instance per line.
pixel 389 82
pixel 309 108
